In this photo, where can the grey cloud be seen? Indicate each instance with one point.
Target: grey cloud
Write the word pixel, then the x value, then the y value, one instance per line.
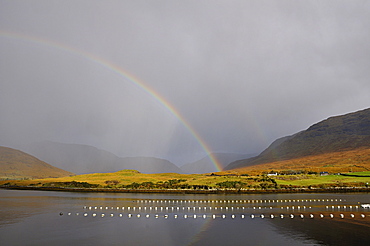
pixel 241 73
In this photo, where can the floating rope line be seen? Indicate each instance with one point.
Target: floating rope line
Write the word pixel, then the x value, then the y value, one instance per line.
pixel 225 216
pixel 226 209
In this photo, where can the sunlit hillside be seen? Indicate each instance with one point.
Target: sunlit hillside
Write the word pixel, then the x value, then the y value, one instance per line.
pixel 336 162
pixel 15 164
pixel 333 135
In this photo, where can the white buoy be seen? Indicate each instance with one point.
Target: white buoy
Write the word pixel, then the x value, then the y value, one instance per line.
pixel 129 215
pixel 233 216
pixel 331 216
pixel 252 216
pixel 120 215
pixel 291 216
pixel 311 216
pixel 282 216
pixel 223 216
pixel 321 216
pixel 175 216
pixel 262 216
pixel 272 216
pixel 213 216
pixel 352 215
pixel 302 216
pixel 111 215
pixel 102 215
pixel 342 216
pixel 242 216
pixel 94 214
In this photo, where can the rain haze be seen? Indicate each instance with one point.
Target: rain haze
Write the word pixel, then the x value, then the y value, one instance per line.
pixel 175 79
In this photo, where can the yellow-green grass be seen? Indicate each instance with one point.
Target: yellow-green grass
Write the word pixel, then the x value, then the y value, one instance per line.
pixel 336 162
pixel 360 173
pixel 307 180
pixel 127 177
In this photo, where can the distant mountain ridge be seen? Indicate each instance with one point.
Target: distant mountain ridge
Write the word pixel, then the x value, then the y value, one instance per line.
pixel 205 165
pixel 338 133
pixel 15 164
pixel 82 159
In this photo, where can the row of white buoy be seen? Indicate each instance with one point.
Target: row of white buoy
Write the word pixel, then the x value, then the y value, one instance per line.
pixel 181 208
pixel 240 201
pixel 163 208
pixel 302 216
pixel 205 208
pixel 214 216
pixel 343 207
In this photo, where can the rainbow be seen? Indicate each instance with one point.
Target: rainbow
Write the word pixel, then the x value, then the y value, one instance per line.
pixel 131 78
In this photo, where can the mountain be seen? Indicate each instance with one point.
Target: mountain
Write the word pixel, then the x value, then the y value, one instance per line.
pixel 15 164
pixel 82 159
pixel 205 164
pixel 335 134
pixel 149 165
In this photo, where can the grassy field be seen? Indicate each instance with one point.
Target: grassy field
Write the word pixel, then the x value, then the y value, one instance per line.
pixel 317 180
pixel 336 162
pixel 297 173
pixel 131 179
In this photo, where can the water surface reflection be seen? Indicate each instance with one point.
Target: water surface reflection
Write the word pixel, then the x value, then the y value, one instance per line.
pixel 164 219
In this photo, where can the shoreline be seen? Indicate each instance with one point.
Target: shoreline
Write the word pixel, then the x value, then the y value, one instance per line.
pixel 183 191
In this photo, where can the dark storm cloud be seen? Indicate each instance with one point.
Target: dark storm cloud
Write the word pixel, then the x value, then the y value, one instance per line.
pixel 242 73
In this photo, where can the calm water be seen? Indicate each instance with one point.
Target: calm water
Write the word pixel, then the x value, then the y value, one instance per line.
pixel 62 218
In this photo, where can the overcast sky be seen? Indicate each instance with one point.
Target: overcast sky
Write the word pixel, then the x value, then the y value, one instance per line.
pixel 240 73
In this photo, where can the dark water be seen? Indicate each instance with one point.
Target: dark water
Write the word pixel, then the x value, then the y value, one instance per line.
pixel 62 218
